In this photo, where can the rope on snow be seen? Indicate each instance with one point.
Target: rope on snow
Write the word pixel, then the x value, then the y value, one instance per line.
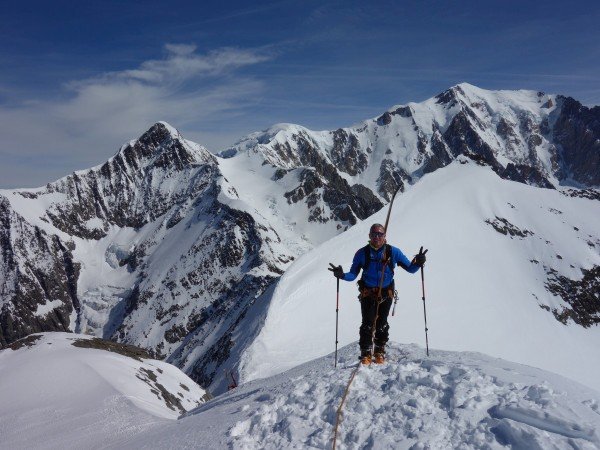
pixel 339 410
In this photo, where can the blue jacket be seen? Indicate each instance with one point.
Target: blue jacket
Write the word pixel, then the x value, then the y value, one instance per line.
pixel 372 276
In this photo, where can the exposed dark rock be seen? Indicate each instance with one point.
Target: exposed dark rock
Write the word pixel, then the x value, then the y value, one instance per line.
pixel 130 351
pixel 549 104
pixel 385 119
pixel 590 194
pixel 359 198
pixel 391 177
pixel 279 174
pixel 582 297
pixel 503 226
pixel 309 181
pixel 462 138
pixel 43 295
pixel 527 124
pixel 30 195
pixel 162 393
pixel 441 156
pixel 337 193
pixel 479 160
pixel 533 141
pixel 449 97
pixel 28 341
pixel 507 132
pixel 230 310
pixel 524 174
pixel 403 111
pixel 346 153
pixel 577 130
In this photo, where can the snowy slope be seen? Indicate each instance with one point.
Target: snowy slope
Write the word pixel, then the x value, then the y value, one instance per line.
pixel 449 400
pixel 56 395
pixel 486 291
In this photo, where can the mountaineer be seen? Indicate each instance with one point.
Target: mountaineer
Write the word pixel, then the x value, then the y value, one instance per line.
pixel 377 261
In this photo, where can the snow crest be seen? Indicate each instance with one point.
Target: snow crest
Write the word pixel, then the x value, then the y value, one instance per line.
pixel 448 400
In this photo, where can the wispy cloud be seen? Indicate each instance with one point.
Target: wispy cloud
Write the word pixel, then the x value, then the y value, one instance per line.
pixel 180 64
pixel 96 115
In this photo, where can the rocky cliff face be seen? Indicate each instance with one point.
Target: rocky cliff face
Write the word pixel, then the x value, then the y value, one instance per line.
pixel 38 278
pixel 134 187
pixel 168 247
pixel 577 131
pixel 321 184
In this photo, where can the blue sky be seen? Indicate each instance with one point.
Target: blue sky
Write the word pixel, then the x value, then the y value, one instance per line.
pixel 79 79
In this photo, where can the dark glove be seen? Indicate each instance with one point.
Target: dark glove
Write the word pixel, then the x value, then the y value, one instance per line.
pixel 419 259
pixel 338 272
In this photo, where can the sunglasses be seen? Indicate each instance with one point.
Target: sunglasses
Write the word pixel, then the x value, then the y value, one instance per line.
pixel 376 234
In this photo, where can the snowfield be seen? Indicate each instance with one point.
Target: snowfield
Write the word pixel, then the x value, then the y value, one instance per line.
pixel 447 400
pixel 60 397
pixel 56 395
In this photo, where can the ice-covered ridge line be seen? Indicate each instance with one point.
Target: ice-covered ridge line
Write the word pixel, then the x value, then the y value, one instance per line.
pixel 528 100
pixel 199 152
pixel 510 130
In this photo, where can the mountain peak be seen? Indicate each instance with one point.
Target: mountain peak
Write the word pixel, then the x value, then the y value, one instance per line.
pixel 279 132
pixel 467 87
pixel 461 91
pixel 163 129
pixel 159 133
pixel 164 145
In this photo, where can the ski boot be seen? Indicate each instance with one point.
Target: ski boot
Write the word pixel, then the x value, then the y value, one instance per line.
pixel 379 355
pixel 365 357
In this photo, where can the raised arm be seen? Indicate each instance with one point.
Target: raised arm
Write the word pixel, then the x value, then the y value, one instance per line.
pixel 403 261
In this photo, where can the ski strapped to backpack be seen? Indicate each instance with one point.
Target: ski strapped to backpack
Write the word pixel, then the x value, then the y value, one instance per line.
pixel 386 260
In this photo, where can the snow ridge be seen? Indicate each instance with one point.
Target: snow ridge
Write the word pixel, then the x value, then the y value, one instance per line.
pixel 448 400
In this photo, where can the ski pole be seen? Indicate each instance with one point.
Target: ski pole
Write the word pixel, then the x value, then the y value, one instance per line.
pixel 424 310
pixel 337 309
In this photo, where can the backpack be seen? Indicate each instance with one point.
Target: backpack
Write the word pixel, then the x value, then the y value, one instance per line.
pixel 387 252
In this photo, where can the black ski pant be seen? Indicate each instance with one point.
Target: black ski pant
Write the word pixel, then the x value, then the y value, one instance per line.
pixel 368 306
